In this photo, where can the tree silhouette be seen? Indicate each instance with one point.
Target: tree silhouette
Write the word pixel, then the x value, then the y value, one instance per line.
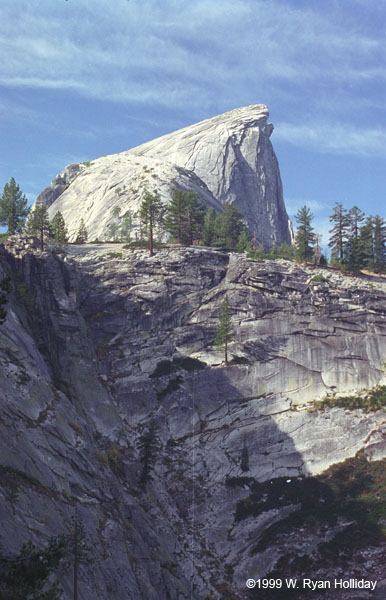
pixel 224 333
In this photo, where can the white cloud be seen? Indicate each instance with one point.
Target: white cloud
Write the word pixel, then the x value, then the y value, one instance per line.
pixel 334 138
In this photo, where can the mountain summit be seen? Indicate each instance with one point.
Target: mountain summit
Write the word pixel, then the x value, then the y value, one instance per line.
pixel 228 158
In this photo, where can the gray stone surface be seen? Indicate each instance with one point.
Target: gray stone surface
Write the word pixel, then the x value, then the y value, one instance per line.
pixel 228 158
pixel 78 354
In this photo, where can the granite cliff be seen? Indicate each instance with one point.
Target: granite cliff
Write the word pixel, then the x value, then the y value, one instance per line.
pixel 228 158
pixel 102 340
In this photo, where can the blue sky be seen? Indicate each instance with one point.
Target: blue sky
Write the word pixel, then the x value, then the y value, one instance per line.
pixel 84 78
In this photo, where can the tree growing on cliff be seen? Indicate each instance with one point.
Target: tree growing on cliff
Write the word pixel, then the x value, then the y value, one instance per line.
pixel 59 231
pixel 5 288
pixel 148 447
pixel 150 213
pixel 229 225
pixel 78 549
pixel 13 207
pixel 305 237
pixel 38 224
pixel 208 229
pixel 27 574
pixel 224 333
pixel 184 216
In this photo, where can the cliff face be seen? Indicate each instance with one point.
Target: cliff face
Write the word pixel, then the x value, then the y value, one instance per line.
pixel 228 158
pixel 95 346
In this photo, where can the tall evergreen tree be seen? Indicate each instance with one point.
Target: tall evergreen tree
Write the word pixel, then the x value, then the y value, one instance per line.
pixel 379 244
pixel 224 333
pixel 148 446
pixel 38 224
pixel 126 225
pixel 150 212
pixel 229 225
pixel 82 234
pixel 355 250
pixel 59 231
pixel 305 237
pixel 208 229
pixel 184 216
pixel 13 207
pixel 367 239
pixel 339 232
pixel 78 549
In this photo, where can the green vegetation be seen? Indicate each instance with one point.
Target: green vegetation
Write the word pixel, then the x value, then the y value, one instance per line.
pixel 150 214
pixel 38 224
pixel 371 401
pixel 112 457
pixel 353 492
pixel 82 235
pixel 224 333
pixel 59 232
pixel 78 550
pixel 184 216
pixel 87 163
pixel 305 237
pixel 114 255
pixel 320 278
pixel 13 207
pixel 148 447
pixel 5 288
pixel 27 574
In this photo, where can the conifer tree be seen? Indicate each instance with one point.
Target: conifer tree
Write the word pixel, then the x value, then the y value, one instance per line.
pixel 150 213
pixel 229 225
pixel 125 227
pixel 379 244
pixel 148 446
pixel 355 251
pixel 224 333
pixel 5 288
pixel 59 231
pixel 305 237
pixel 38 224
pixel 27 574
pixel 13 207
pixel 184 216
pixel 78 549
pixel 244 242
pixel 82 235
pixel 208 229
pixel 339 233
pixel 367 239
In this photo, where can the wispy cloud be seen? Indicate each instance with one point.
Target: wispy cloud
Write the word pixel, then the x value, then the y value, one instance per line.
pixel 334 138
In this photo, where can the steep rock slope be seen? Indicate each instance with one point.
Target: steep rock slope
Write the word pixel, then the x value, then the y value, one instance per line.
pixel 228 158
pixel 95 346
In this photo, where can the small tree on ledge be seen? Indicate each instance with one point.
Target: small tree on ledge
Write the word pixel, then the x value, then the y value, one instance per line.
pixel 82 235
pixel 224 333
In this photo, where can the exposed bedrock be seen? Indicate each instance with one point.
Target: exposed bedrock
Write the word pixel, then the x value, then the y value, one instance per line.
pixel 228 158
pixel 94 348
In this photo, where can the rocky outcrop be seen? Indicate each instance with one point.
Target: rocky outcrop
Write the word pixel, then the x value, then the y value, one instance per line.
pixel 98 343
pixel 228 158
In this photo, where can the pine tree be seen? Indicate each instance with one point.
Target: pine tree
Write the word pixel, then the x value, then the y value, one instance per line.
pixel 244 242
pixel 13 207
pixel 367 238
pixel 229 225
pixel 355 251
pixel 5 288
pixel 126 227
pixel 379 244
pixel 208 229
pixel 305 237
pixel 339 233
pixel 148 446
pixel 59 231
pixel 38 224
pixel 78 549
pixel 26 575
pixel 82 235
pixel 224 333
pixel 151 212
pixel 184 216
